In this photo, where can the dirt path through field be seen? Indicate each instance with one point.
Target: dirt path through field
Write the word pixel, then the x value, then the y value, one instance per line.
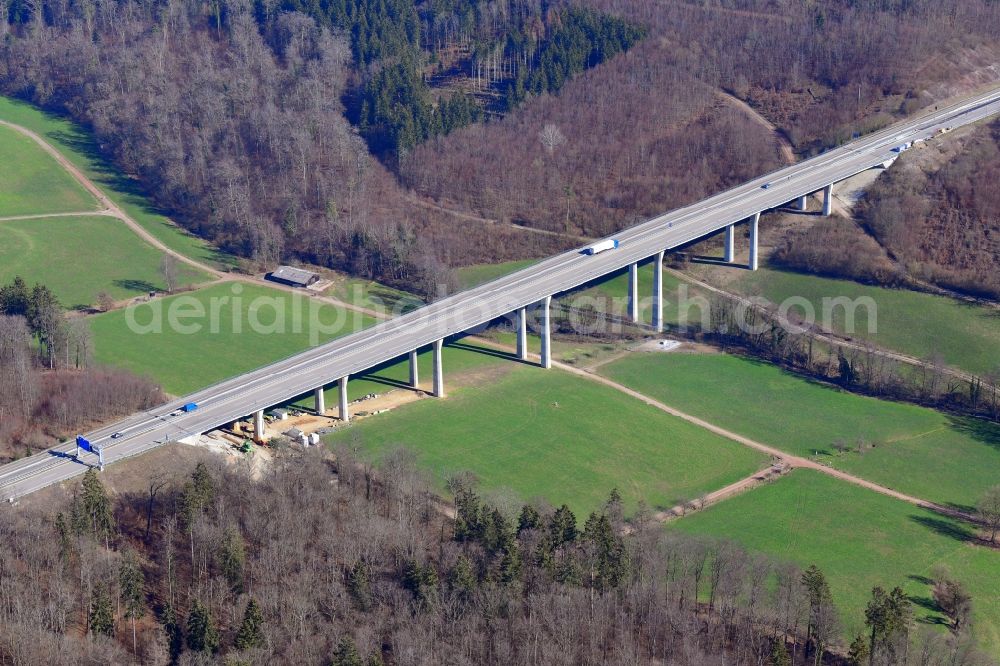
pixel 708 500
pixel 779 456
pixel 111 209
pixel 42 216
pixel 791 461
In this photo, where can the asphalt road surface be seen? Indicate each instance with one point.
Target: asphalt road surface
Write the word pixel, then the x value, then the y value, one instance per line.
pixel 279 382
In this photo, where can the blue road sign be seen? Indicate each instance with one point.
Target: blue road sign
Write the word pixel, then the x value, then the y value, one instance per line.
pixel 82 443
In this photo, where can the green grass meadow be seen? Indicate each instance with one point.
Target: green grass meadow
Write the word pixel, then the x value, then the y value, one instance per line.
pixel 475 275
pixel 32 182
pixel 79 147
pixel 918 451
pixel 923 325
pixel 186 361
pixel 79 257
pixel 552 435
pixel 859 539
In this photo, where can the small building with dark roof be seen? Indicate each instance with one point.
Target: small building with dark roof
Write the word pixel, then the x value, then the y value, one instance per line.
pixel 296 277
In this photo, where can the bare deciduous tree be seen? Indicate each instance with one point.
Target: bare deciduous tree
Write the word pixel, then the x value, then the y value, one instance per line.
pixel 551 137
pixel 168 271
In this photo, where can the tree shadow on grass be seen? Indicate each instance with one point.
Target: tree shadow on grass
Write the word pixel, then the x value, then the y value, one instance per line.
pixel 931 606
pixel 136 285
pixel 945 527
pixel 978 429
pixel 960 508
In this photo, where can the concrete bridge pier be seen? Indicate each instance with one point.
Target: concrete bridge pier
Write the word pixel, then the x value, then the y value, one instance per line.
pixel 343 410
pixel 258 425
pixel 320 401
pixel 546 326
pixel 828 200
pixel 730 252
pixel 522 334
pixel 658 292
pixel 804 202
pixel 438 369
pixel 754 222
pixel 414 370
pixel 633 292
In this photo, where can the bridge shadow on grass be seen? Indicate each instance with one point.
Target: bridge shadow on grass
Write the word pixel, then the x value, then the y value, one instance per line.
pixel 487 351
pixel 794 208
pixel 944 527
pixel 375 374
pixel 715 261
pixel 386 381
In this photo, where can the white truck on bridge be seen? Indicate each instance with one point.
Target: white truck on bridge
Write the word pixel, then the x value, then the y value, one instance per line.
pixel 601 246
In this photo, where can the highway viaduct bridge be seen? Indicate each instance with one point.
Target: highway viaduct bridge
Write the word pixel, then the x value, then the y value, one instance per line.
pixel 534 287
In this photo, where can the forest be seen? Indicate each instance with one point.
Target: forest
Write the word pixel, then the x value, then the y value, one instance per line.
pixel 930 226
pixel 48 388
pixel 336 561
pixel 942 224
pixel 396 112
pixel 237 119
pixel 839 248
pixel 820 72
